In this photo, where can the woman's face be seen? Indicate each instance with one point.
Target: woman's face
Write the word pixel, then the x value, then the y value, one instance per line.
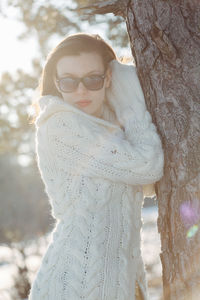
pixel 85 64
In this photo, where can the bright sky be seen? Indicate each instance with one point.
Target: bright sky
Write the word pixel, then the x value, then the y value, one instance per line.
pixel 18 54
pixel 14 54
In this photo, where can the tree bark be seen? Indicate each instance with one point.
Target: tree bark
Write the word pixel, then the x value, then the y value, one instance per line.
pixel 165 42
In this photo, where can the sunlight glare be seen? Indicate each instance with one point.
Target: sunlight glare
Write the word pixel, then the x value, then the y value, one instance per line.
pixel 14 53
pixel 192 231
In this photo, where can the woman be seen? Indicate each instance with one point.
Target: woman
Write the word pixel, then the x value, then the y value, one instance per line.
pixel 96 149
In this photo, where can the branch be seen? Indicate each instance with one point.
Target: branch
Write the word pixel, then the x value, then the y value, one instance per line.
pixel 117 7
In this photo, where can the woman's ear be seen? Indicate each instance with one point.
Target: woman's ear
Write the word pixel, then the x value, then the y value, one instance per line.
pixel 108 77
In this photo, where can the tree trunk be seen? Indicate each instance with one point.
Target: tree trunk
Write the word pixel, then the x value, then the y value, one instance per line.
pixel 165 39
pixel 165 42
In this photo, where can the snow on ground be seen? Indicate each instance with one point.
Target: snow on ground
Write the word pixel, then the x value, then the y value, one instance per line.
pixel 150 252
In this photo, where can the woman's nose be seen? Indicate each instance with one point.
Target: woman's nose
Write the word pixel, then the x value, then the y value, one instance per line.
pixel 81 88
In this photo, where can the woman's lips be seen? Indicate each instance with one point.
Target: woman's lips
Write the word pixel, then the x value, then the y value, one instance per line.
pixel 83 103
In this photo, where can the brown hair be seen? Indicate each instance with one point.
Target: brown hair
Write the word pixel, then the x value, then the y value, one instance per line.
pixel 74 44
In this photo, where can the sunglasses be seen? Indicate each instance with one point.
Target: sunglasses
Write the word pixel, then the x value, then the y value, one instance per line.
pixel 70 84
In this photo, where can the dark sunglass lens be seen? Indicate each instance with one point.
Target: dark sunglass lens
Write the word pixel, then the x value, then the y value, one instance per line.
pixel 94 82
pixel 68 84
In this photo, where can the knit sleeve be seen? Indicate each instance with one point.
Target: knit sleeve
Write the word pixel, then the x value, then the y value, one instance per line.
pixel 141 131
pixel 125 96
pixel 83 147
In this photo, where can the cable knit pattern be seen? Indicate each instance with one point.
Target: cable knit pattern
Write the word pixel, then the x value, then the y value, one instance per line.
pixel 93 173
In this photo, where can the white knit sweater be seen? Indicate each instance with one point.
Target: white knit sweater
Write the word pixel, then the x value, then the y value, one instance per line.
pixel 93 173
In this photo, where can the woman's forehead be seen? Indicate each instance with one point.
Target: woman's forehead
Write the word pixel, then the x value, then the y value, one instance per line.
pixel 80 65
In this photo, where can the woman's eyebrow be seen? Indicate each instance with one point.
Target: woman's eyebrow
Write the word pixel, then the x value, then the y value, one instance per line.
pixel 73 75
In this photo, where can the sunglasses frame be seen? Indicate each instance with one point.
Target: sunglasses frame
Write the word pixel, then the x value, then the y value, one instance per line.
pixel 80 79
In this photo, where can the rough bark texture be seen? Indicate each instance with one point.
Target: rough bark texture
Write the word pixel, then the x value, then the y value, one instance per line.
pixel 165 43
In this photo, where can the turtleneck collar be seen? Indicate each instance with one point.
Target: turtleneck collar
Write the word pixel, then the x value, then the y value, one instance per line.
pixel 49 104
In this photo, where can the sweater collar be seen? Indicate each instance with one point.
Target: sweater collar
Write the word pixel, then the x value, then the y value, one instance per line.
pixel 48 103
